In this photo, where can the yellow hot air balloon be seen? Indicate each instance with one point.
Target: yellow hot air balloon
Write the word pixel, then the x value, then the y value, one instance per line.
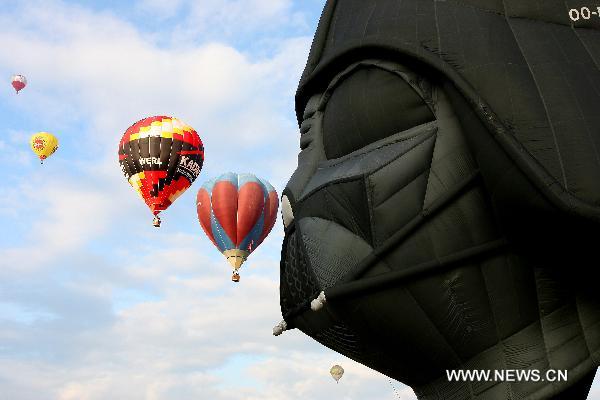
pixel 43 144
pixel 336 372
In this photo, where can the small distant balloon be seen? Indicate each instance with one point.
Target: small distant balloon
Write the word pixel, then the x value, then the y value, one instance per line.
pixel 160 157
pixel 19 82
pixel 336 372
pixel 237 212
pixel 43 144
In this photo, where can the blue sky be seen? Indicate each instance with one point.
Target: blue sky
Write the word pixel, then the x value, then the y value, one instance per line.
pixel 94 302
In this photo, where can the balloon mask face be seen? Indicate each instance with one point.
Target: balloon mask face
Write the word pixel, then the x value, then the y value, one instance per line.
pixel 368 144
pixel 385 183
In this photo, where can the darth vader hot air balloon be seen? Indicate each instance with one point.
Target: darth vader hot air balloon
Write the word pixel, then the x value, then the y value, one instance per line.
pixel 445 211
pixel 160 157
pixel 237 212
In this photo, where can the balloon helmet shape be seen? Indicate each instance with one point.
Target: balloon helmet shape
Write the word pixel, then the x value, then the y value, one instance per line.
pixel 445 211
pixel 43 144
pixel 237 212
pixel 160 157
pixel 18 82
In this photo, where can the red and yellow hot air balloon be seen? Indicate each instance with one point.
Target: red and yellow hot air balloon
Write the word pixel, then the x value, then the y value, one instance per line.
pixel 18 82
pixel 43 144
pixel 160 157
pixel 237 212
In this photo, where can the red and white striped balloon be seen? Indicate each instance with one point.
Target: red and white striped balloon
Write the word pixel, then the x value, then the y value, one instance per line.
pixel 237 212
pixel 19 82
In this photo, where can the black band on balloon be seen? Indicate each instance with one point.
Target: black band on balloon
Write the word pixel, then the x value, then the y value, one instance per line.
pixel 388 278
pixel 342 290
pixel 403 233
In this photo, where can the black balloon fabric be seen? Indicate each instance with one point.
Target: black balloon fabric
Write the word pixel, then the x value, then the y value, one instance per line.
pixel 447 195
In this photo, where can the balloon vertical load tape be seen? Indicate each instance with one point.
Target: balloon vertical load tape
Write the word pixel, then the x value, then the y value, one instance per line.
pixel 319 302
pixel 279 328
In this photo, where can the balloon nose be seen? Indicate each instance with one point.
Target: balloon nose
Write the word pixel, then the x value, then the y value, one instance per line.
pixel 286 211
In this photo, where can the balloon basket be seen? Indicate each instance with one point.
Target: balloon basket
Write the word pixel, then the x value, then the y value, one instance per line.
pixel 235 277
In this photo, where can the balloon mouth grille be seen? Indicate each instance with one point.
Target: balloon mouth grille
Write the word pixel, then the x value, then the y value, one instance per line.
pixel 298 283
pixel 297 280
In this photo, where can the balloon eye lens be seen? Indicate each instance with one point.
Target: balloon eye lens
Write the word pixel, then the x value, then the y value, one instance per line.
pixel 369 105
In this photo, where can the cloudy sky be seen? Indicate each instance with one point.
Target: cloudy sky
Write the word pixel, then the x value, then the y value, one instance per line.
pixel 97 304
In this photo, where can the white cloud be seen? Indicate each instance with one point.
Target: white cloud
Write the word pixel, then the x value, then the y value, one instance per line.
pixel 234 19
pixel 181 344
pixel 59 216
pixel 160 9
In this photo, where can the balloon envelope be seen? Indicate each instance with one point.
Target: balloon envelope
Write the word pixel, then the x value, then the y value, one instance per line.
pixel 161 157
pixel 336 372
pixel 237 212
pixel 43 144
pixel 18 82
